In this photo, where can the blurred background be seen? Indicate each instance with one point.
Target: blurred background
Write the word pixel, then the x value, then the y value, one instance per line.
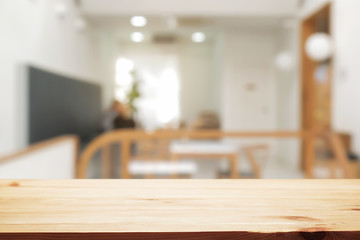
pixel 179 89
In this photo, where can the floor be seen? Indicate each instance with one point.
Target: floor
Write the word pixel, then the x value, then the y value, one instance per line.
pixel 212 169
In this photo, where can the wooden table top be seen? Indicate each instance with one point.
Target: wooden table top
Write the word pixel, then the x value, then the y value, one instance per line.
pixel 187 208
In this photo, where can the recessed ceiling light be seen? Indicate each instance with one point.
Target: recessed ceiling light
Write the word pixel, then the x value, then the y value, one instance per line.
pixel 137 37
pixel 138 21
pixel 198 37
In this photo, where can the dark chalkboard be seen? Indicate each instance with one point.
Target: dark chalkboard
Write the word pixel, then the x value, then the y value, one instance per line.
pixel 60 105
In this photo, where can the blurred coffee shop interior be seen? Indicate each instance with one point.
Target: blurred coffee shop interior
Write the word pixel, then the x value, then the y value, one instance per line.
pixel 179 89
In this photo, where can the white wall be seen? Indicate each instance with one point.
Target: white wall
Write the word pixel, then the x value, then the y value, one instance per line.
pixel 346 85
pixel 198 85
pixel 249 86
pixel 108 54
pixel 274 104
pixel 53 162
pixel 192 7
pixel 247 61
pixel 32 33
pixel 288 97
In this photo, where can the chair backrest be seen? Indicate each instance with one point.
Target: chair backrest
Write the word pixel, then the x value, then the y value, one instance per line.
pixel 154 145
pixel 149 146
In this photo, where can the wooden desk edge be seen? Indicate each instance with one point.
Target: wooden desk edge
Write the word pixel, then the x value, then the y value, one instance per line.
pixel 307 234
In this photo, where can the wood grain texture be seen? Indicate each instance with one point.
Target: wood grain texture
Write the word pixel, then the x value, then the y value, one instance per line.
pixel 187 236
pixel 180 209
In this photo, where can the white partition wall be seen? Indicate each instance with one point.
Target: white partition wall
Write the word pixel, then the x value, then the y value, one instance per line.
pixel 52 161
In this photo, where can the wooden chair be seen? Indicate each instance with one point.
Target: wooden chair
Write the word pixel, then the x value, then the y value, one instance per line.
pixel 136 147
pixel 339 165
pixel 127 138
pixel 250 153
pixel 139 145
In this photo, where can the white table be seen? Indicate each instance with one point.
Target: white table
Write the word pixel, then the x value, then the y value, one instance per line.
pixel 206 150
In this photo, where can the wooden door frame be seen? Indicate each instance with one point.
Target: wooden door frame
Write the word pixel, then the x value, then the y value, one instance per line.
pixel 308 66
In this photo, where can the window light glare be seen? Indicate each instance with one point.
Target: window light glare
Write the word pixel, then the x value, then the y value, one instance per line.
pixel 137 37
pixel 124 65
pixel 138 21
pixel 198 37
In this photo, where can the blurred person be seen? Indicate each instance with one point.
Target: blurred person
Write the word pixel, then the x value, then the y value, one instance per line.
pixel 124 119
pixel 118 116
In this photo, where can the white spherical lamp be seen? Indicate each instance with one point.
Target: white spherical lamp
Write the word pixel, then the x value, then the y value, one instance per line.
pixel 284 61
pixel 319 47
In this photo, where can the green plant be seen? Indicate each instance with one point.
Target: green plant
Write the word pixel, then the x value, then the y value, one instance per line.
pixel 134 93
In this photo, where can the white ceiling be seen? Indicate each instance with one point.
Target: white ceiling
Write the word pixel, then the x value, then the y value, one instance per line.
pixel 190 15
pixel 157 25
pixel 161 23
pixel 236 8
